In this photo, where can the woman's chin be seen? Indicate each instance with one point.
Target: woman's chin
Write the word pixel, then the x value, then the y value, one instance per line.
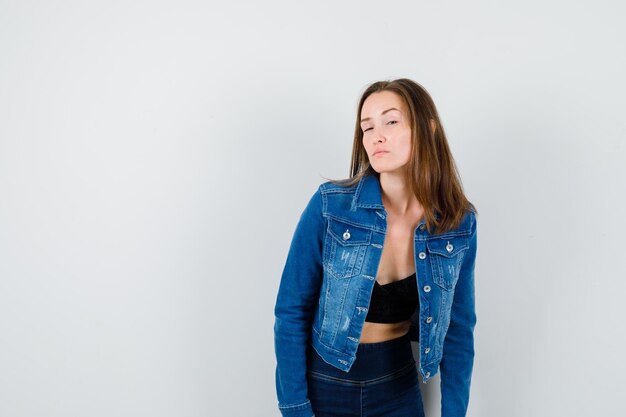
pixel 387 170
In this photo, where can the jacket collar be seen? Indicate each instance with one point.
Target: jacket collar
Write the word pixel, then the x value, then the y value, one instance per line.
pixel 368 194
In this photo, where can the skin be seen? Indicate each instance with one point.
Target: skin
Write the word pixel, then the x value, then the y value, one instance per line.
pixel 390 131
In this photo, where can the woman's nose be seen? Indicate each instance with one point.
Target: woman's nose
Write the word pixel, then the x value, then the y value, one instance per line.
pixel 377 135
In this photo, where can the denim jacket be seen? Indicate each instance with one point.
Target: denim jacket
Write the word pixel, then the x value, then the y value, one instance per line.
pixel 327 283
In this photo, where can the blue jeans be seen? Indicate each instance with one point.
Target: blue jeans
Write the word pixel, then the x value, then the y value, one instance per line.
pixel 382 382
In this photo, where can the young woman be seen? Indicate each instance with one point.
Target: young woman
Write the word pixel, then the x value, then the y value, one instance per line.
pixel 377 260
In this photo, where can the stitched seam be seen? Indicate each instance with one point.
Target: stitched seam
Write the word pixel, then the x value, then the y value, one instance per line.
pixel 342 190
pixel 361 400
pixel 329 347
pixel 398 372
pixel 283 407
pixel 323 377
pixel 351 222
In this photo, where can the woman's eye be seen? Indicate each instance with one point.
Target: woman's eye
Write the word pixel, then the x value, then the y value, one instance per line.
pixel 367 129
pixel 392 121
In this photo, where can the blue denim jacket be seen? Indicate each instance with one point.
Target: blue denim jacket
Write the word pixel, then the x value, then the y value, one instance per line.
pixel 327 283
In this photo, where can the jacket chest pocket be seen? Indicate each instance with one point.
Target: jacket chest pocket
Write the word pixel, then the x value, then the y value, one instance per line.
pixel 446 257
pixel 346 246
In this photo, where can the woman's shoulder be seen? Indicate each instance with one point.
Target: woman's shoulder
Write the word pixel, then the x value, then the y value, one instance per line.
pixel 468 223
pixel 338 186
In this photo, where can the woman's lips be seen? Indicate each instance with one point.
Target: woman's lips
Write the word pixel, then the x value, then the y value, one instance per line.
pixel 380 153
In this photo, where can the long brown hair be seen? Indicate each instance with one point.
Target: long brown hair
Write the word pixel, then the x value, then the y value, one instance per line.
pixel 432 174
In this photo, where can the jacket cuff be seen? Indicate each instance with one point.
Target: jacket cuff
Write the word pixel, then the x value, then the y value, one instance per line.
pixel 298 410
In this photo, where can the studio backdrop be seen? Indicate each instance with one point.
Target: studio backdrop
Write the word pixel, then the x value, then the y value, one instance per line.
pixel 155 157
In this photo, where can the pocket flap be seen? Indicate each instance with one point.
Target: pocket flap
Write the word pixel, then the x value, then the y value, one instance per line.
pixel 348 235
pixel 447 247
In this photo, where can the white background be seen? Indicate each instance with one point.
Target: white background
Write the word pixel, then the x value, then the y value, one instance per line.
pixel 155 157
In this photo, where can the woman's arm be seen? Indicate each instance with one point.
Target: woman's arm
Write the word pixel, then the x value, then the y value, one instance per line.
pixel 295 305
pixel 458 348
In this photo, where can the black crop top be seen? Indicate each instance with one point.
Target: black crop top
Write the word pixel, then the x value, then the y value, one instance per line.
pixel 393 302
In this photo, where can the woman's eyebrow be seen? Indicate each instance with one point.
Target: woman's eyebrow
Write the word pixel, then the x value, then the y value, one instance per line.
pixel 368 118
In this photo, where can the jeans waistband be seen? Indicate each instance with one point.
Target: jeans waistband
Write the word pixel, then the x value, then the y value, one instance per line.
pixel 373 360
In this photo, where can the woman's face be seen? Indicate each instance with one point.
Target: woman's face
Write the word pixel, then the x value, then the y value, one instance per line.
pixel 386 132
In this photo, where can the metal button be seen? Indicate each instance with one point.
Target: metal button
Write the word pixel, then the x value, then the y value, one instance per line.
pixel 422 255
pixel 346 235
pixel 426 288
pixel 427 350
pixel 449 247
pixel 427 375
pixel 429 319
pixel 422 227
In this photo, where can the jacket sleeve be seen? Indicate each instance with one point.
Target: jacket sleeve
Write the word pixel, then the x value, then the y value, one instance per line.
pixel 295 305
pixel 458 348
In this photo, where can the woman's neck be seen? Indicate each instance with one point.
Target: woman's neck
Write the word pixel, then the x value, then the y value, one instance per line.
pixel 396 194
